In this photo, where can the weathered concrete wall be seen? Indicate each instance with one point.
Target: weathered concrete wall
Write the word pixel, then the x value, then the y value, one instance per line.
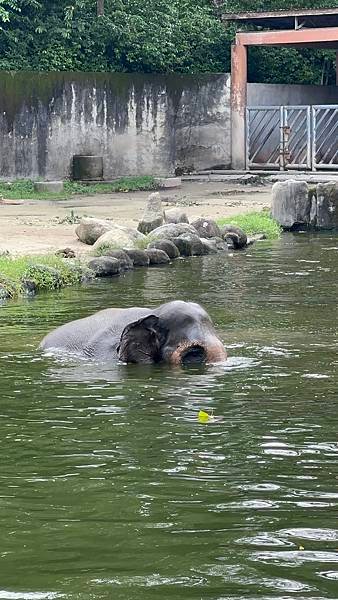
pixel 263 94
pixel 141 124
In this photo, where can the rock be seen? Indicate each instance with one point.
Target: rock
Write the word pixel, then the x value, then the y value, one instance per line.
pixel 116 238
pixel 80 272
pixel 197 248
pixel 206 228
pixel 8 287
pixel 172 230
pixel 5 293
pixel 167 246
pixel 183 245
pixel 139 257
pixel 256 238
pixel 221 244
pixel 89 230
pixel 43 277
pixel 175 215
pixel 157 257
pixel 209 246
pixel 49 187
pixel 327 205
pixel 66 253
pixel 189 245
pixel 214 245
pixel 153 216
pixel 291 204
pixel 29 287
pixel 125 261
pixel 234 236
pixel 105 266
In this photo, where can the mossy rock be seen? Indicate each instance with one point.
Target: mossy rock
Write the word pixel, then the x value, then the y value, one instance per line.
pixel 44 277
pixel 75 272
pixel 8 288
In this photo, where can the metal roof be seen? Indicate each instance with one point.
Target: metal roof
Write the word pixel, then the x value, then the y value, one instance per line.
pixel 287 19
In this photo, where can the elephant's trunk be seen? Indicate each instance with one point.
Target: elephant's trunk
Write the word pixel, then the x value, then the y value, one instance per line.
pixel 198 353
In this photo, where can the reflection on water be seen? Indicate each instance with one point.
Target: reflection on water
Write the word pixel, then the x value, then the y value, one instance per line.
pixel 111 488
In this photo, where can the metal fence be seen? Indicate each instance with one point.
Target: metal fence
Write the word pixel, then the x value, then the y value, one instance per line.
pixel 292 137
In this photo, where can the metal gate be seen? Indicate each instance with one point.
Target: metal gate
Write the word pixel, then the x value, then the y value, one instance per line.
pixel 296 138
pixel 325 137
pixel 292 137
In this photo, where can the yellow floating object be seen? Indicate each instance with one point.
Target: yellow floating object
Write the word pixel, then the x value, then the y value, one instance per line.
pixel 301 548
pixel 204 417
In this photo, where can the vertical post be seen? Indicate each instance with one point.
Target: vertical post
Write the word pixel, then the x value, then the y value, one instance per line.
pixel 336 67
pixel 100 8
pixel 239 69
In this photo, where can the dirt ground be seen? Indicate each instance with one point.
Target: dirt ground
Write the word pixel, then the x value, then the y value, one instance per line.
pixel 38 226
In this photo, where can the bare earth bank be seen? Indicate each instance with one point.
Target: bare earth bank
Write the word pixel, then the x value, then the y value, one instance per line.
pixel 37 227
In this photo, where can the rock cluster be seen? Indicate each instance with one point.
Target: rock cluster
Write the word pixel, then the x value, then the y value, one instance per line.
pixel 161 236
pixel 296 205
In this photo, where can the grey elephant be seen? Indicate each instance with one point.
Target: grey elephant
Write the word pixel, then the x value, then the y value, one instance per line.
pixel 177 333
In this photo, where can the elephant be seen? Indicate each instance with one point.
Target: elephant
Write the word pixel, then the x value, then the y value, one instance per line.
pixel 178 333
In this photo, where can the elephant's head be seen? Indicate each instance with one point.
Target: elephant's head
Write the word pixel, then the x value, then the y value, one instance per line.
pixel 177 333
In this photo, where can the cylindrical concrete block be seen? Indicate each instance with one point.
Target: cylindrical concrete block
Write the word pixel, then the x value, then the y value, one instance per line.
pixel 87 167
pixel 50 187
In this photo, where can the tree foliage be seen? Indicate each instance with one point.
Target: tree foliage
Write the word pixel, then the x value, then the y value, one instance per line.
pixel 161 36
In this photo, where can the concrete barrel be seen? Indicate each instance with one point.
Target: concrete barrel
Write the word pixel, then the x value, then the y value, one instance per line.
pixel 87 167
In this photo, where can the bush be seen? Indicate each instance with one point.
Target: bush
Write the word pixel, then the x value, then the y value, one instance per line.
pixel 28 274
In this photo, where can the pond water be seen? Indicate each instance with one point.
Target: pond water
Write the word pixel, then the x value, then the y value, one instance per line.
pixel 111 488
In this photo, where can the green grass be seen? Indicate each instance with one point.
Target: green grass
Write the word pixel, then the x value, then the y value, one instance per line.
pixel 254 223
pixel 45 272
pixel 23 189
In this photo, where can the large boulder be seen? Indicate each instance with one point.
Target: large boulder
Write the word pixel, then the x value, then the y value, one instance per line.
pixel 89 230
pixel 118 237
pixel 167 246
pixel 214 245
pixel 171 231
pixel 153 216
pixel 209 247
pixel 234 236
pixel 291 203
pixel 105 266
pixel 206 228
pixel 139 257
pixel 189 244
pixel 157 257
pixel 326 206
pixel 125 261
pixel 176 215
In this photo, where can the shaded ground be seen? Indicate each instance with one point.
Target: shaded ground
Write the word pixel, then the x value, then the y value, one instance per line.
pixel 38 226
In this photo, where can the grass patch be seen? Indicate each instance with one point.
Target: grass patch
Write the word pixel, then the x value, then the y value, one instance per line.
pixel 254 223
pixel 124 184
pixel 23 189
pixel 36 273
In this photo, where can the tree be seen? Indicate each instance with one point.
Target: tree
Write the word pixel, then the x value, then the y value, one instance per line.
pixel 149 36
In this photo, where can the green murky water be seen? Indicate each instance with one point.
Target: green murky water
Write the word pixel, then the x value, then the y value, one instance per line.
pixel 110 488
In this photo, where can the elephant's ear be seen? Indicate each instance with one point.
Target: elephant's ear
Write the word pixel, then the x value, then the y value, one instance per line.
pixel 142 341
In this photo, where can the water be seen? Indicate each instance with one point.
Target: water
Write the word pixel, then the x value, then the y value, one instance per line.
pixel 110 488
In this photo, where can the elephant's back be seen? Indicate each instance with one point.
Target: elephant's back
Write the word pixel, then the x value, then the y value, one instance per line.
pixel 77 335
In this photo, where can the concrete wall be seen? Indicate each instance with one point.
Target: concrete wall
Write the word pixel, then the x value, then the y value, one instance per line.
pixel 141 124
pixel 263 94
